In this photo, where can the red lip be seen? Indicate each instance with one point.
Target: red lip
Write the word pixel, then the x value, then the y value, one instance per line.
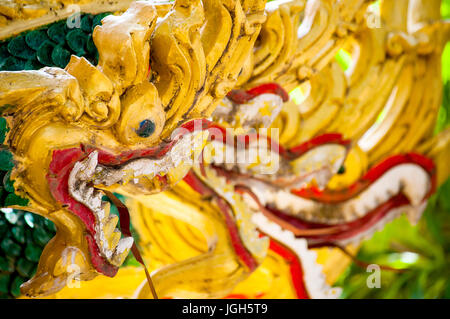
pixel 331 233
pixel 326 196
pixel 242 96
pixel 333 197
pixel 62 163
pixel 295 268
pixel 192 180
pixel 328 138
pixel 289 154
pixel 241 251
pixel 341 231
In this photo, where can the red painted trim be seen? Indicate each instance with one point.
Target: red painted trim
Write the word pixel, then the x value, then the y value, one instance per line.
pixel 98 261
pixel 58 177
pixel 196 184
pixel 345 230
pixel 295 267
pixel 242 97
pixel 338 196
pixel 62 164
pixel 289 154
pixel 241 251
pixel 236 240
pixel 328 138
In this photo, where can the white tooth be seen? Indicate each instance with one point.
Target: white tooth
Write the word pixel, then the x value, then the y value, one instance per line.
pixel 350 215
pixel 281 201
pixel 85 169
pixel 88 193
pixel 124 245
pixel 384 196
pixel 314 279
pixel 359 208
pixel 77 168
pixel 91 165
pixel 229 166
pixel 122 250
pixel 377 200
pixel 96 199
pixel 250 202
pixel 82 188
pixel 294 207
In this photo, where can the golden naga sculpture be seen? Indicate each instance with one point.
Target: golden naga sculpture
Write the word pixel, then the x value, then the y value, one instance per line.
pixel 83 128
pixel 316 202
pixel 354 153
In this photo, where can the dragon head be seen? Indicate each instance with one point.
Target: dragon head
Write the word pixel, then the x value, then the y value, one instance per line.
pixel 126 123
pixel 350 158
pixel 130 124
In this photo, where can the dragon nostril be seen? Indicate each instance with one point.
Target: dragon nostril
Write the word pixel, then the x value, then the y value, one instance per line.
pixel 146 128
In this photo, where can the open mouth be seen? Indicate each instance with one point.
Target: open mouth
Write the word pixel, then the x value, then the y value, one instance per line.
pixel 258 157
pixel 295 209
pixel 307 277
pixel 295 196
pixel 210 181
pixel 399 185
pixel 213 181
pixel 78 175
pixel 245 240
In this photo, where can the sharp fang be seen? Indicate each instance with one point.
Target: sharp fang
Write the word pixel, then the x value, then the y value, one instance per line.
pixel 415 213
pixel 122 250
pixel 90 171
pixel 106 208
pixel 114 238
pixel 89 191
pixel 89 167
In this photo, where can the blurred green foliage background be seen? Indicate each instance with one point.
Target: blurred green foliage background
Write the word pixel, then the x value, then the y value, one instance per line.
pixel 422 251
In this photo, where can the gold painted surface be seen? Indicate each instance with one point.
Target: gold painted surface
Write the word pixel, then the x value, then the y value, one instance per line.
pixel 386 103
pixel 123 285
pixel 187 234
pixel 54 109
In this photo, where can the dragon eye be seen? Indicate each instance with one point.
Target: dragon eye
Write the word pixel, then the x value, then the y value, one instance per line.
pixel 146 128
